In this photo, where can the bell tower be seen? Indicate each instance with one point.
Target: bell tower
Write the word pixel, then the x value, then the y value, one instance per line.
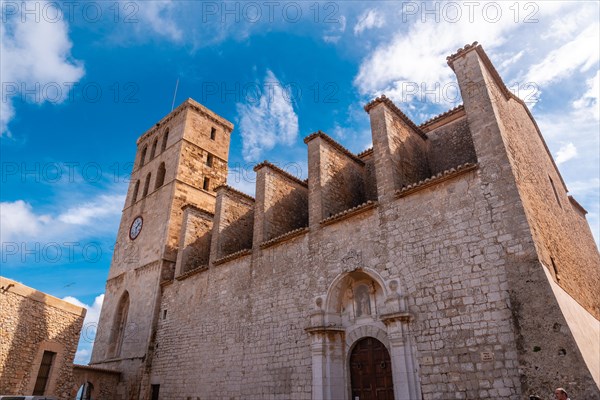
pixel 178 162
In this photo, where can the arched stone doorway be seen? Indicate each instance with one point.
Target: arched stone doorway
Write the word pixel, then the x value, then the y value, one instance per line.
pixel 359 304
pixel 371 371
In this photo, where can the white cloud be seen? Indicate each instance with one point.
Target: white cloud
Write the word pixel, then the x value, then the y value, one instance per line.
pixel 270 122
pixel 98 209
pixel 17 219
pixel 20 222
pixel 158 16
pixel 566 153
pixel 90 327
pixel 417 56
pixel 335 32
pixel 368 20
pixel 579 54
pixel 35 56
pixel 589 103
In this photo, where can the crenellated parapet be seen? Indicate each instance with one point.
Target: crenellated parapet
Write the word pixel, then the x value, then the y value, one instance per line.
pixel 340 185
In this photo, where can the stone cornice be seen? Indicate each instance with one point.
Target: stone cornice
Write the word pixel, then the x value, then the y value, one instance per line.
pixel 235 192
pixel 369 204
pixel 325 329
pixel 365 153
pixel 191 272
pixel 394 108
pixel 285 237
pixel 285 174
pixel 334 144
pixel 443 118
pixel 436 179
pixel 401 316
pixel 198 210
pixel 96 369
pixel 576 204
pixel 14 287
pixel 232 256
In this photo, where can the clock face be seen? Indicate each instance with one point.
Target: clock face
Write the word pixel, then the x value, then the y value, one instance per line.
pixel 136 227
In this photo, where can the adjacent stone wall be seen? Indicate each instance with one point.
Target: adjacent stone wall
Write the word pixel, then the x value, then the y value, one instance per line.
pixel 281 203
pixel 544 343
pixel 194 250
pixel 104 382
pixel 450 145
pixel 234 223
pixel 32 322
pixel 370 178
pixel 336 176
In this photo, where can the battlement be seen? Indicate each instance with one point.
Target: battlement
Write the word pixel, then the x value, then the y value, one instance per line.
pixel 340 185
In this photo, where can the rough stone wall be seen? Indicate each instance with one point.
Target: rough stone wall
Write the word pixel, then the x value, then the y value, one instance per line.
pixel 194 249
pixel 340 177
pixel 249 330
pixel 561 236
pixel 284 204
pixel 32 322
pixel 369 176
pixel 234 223
pixel 449 146
pixel 139 266
pixel 544 343
pixel 408 153
pixel 104 382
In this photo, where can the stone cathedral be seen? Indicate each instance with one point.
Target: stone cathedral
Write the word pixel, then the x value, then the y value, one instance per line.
pixel 446 262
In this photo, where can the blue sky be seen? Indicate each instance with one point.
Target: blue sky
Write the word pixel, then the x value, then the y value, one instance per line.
pixel 81 81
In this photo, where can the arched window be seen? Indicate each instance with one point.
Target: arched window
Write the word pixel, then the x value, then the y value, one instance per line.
pixel 143 156
pixel 164 141
pixel 160 176
pixel 153 151
pixel 136 189
pixel 119 326
pixel 146 184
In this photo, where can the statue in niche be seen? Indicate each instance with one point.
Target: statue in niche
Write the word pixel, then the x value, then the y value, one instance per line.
pixel 363 301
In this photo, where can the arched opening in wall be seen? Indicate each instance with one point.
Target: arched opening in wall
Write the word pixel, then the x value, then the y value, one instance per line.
pixel 160 176
pixel 154 146
pixel 351 329
pixel 163 146
pixel 85 391
pixel 143 156
pixel 136 189
pixel 371 370
pixel 119 324
pixel 146 185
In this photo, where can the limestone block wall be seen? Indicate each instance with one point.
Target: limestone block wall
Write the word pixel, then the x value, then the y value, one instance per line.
pixel 335 176
pixel 281 203
pixel 32 322
pixel 563 239
pixel 249 329
pixel 194 248
pixel 233 224
pixel 544 343
pixel 450 145
pixel 370 178
pixel 104 382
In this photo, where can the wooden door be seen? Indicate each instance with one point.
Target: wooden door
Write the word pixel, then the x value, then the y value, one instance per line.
pixel 371 371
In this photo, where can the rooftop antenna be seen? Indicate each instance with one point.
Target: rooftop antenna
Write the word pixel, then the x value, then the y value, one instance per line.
pixel 175 94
